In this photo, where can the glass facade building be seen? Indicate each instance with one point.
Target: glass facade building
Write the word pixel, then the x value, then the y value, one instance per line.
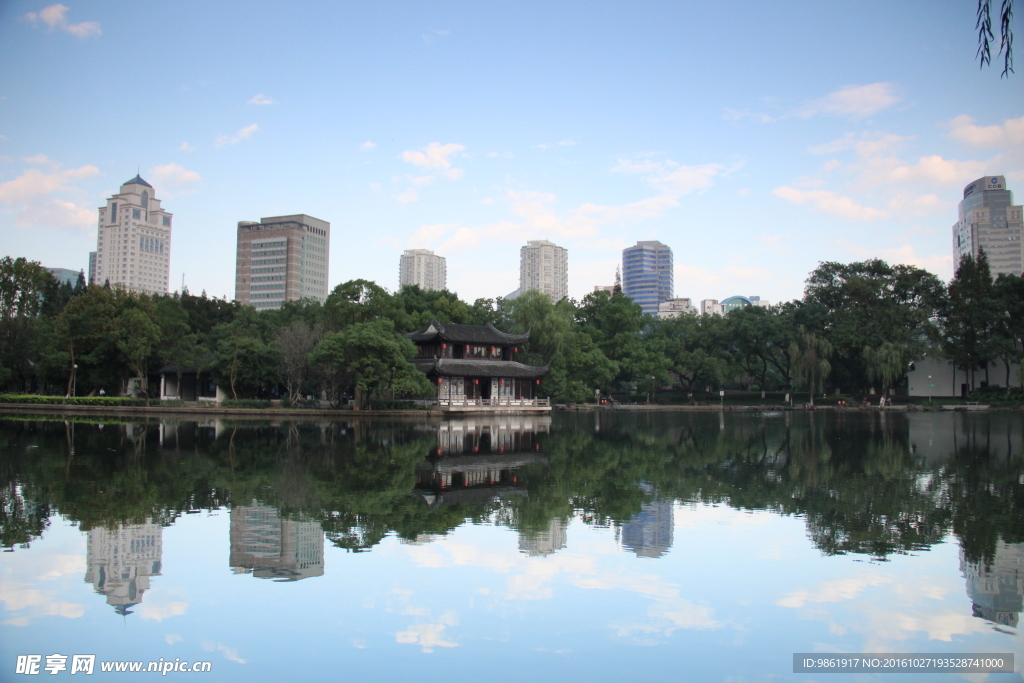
pixel 989 221
pixel 647 275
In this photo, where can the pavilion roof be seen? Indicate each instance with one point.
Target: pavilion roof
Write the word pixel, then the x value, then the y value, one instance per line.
pixel 466 334
pixel 457 367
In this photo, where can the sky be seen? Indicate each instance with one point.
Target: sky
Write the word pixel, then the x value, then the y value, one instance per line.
pixel 755 139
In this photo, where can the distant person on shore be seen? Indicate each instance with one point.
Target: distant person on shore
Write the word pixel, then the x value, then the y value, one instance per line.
pixel 103 392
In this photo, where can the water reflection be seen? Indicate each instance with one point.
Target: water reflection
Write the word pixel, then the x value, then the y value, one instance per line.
pixel 120 561
pixel 873 485
pixel 996 588
pixel 269 547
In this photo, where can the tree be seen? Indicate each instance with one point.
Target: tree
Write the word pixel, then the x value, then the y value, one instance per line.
pixel 294 343
pixel 245 363
pixel 577 369
pixel 137 339
pixel 23 289
pixel 810 355
pixel 969 316
pixel 866 304
pixel 985 35
pixel 1009 330
pixel 369 357
pixel 885 364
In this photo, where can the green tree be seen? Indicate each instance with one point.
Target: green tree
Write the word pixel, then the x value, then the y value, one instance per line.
pixel 1009 332
pixel 23 290
pixel 369 357
pixel 867 304
pixel 244 362
pixel 969 316
pixel 885 364
pixel 577 369
pixel 138 337
pixel 810 354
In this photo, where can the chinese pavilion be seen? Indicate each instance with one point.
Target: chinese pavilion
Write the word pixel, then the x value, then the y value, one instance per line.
pixel 474 368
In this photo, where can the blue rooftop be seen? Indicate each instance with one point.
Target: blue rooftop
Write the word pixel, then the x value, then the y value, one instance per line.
pixel 137 180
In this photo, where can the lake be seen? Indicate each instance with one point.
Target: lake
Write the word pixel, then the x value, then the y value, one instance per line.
pixel 597 546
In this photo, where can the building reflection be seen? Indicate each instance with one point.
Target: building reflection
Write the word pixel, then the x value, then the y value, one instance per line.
pixel 269 547
pixel 120 561
pixel 543 543
pixel 478 460
pixel 649 534
pixel 997 589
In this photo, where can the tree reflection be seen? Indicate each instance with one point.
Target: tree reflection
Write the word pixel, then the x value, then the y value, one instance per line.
pixel 866 483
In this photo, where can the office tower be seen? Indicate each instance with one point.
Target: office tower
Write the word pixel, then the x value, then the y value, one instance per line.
pixel 282 258
pixel 65 275
pixel 544 266
pixel 647 275
pixel 988 220
pixel 133 242
pixel 424 268
pixel 93 256
pixel 673 308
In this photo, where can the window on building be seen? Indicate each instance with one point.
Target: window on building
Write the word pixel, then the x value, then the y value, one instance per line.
pixel 113 212
pixel 136 213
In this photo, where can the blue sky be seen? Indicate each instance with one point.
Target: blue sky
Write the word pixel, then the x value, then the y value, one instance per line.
pixel 754 139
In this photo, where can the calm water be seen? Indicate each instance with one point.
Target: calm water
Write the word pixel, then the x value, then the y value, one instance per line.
pixel 598 547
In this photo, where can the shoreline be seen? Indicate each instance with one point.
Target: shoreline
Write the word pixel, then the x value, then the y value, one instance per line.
pixel 303 413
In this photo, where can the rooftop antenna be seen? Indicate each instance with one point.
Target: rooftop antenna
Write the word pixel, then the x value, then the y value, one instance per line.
pixel 182 282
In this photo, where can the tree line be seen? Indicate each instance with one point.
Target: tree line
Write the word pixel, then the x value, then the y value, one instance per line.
pixel 857 328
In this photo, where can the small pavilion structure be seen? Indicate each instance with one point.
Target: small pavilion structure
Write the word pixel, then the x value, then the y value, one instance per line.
pixel 474 368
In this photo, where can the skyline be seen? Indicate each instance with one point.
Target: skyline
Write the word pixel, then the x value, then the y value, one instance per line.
pixel 471 131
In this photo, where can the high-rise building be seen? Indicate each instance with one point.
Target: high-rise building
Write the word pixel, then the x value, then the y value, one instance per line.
pixel 544 266
pixel 93 260
pixel 647 275
pixel 988 220
pixel 133 242
pixel 282 258
pixel 424 268
pixel 65 275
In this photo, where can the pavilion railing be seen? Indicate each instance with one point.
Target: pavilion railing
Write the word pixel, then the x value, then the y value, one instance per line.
pixel 495 402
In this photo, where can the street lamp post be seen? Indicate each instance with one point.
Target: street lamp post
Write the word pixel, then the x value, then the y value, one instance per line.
pixel 74 379
pixel 930 385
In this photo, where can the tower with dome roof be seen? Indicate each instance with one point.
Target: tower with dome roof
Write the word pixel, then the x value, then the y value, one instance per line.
pixel 133 240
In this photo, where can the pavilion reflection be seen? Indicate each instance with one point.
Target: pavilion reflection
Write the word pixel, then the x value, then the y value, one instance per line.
pixel 477 460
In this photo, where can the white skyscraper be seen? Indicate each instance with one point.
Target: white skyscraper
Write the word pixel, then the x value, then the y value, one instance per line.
pixel 988 220
pixel 424 268
pixel 133 243
pixel 544 266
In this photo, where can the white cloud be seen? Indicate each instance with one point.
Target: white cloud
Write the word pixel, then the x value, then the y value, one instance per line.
pixel 368 145
pixel 430 234
pixel 173 638
pixel 242 134
pixel 55 17
pixel 434 155
pixel 32 192
pixel 375 186
pixel 836 590
pixel 230 653
pixel 39 160
pixel 939 264
pixel 408 196
pixel 929 170
pixel 830 203
pixel 159 612
pixel 429 636
pixel 910 204
pixel 1009 134
pixel 185 147
pixel 422 180
pixel 865 144
pixel 261 100
pixel 174 176
pixel 856 101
